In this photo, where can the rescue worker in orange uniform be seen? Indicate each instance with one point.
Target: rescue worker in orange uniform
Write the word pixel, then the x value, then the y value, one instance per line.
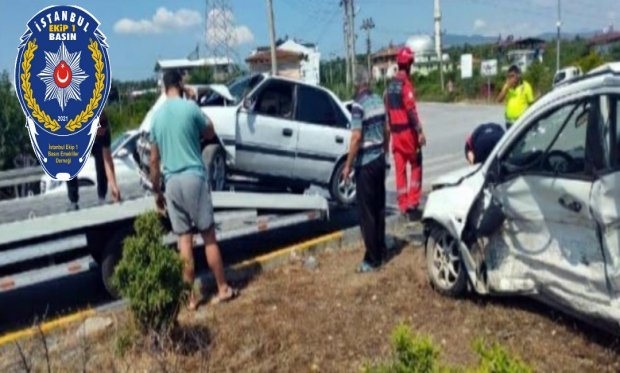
pixel 407 134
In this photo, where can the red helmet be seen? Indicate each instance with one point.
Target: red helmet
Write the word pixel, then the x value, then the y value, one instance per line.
pixel 404 56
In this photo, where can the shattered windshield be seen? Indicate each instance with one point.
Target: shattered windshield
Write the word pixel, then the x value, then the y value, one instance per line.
pixel 238 88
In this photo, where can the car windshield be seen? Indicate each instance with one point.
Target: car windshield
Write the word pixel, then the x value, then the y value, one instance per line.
pixel 118 141
pixel 240 87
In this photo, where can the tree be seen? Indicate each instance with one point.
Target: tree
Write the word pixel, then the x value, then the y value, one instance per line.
pixel 590 61
pixel 13 136
pixel 614 53
pixel 201 75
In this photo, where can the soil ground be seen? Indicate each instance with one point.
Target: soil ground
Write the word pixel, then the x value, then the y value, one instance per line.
pixel 296 319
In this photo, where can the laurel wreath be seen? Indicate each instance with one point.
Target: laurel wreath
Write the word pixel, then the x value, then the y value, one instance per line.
pixel 39 114
pixel 88 111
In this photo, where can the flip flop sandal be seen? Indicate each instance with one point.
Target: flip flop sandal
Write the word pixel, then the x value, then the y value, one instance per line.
pixel 365 268
pixel 230 295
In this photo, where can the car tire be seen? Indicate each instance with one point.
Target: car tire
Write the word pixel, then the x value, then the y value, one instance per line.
pixel 341 192
pixel 444 263
pixel 214 158
pixel 110 257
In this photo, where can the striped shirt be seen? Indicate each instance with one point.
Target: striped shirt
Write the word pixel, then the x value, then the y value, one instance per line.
pixel 368 115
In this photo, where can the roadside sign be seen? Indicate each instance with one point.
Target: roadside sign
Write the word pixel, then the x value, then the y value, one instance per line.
pixel 488 68
pixel 467 66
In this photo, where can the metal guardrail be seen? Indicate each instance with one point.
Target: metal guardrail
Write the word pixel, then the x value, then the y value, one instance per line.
pixel 20 176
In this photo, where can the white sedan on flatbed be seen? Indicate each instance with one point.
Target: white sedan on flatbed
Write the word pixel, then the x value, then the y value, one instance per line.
pixel 276 130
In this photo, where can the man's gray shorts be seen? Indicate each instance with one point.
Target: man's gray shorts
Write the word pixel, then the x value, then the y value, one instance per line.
pixel 188 198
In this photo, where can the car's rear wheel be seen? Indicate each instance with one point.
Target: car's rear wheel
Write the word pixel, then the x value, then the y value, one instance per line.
pixel 214 159
pixel 341 191
pixel 444 263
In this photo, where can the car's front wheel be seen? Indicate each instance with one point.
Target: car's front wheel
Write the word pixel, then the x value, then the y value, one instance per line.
pixel 214 159
pixel 341 191
pixel 444 264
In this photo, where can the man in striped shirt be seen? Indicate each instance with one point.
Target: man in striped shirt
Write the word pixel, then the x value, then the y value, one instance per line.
pixel 370 139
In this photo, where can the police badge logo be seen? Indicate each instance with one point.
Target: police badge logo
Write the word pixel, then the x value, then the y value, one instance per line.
pixel 62 79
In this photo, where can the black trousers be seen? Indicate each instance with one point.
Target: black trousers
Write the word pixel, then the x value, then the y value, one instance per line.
pixel 370 188
pixel 73 186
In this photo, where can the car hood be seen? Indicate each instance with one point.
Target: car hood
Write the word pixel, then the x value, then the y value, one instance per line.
pixel 455 177
pixel 222 90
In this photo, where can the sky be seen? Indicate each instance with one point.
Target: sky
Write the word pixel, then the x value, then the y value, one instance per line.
pixel 139 32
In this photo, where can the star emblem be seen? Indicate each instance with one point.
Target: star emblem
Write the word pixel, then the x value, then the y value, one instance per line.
pixel 62 76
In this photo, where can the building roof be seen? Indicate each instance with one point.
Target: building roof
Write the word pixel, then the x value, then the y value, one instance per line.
pixel 184 63
pixel 520 43
pixel 605 38
pixel 290 45
pixel 281 56
pixel 388 51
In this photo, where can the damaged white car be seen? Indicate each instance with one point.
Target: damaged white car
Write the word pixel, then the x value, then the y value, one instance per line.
pixel 541 216
pixel 274 130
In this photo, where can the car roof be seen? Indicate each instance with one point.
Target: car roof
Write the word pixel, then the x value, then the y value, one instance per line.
pixel 608 74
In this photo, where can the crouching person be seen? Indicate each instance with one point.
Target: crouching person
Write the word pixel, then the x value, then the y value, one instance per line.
pixel 482 141
pixel 369 146
pixel 177 130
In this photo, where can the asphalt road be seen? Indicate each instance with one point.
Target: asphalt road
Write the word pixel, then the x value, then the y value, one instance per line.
pixel 446 127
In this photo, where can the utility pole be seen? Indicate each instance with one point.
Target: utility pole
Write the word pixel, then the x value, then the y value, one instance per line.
pixel 438 48
pixel 347 40
pixel 559 25
pixel 353 56
pixel 272 36
pixel 332 59
pixel 367 25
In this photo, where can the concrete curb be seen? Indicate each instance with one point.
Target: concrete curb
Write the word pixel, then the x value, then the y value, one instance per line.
pixel 348 239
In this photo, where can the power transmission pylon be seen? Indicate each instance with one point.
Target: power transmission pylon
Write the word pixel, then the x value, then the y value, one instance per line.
pixel 219 31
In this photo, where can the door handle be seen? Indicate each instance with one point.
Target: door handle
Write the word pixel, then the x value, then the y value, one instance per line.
pixel 339 139
pixel 287 132
pixel 570 204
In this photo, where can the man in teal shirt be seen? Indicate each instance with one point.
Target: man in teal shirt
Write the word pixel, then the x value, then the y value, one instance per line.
pixel 177 129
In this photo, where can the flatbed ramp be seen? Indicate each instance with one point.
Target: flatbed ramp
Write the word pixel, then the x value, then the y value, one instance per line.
pixel 24 244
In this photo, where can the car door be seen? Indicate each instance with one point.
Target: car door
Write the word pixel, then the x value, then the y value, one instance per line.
pixel 323 134
pixel 606 195
pixel 548 243
pixel 266 135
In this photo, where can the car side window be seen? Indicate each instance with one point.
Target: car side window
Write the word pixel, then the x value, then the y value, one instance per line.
pixel 555 143
pixel 275 99
pixel 317 107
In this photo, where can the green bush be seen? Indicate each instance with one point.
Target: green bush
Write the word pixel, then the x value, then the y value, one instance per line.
pixel 410 354
pixel 495 359
pixel 414 354
pixel 150 276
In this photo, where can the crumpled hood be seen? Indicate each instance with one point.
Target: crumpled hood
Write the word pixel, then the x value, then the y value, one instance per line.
pixel 456 176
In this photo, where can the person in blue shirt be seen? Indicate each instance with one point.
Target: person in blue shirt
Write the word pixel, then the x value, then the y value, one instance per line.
pixel 178 127
pixel 482 141
pixel 370 139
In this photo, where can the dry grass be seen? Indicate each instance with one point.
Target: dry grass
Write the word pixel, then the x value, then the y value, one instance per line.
pixel 331 319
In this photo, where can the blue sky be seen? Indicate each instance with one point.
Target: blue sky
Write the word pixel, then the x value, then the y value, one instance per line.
pixel 141 31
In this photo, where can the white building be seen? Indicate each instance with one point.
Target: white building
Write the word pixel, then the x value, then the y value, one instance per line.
pixel 221 67
pixel 423 47
pixel 295 60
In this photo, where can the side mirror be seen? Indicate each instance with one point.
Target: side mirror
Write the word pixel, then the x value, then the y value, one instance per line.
pixel 248 104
